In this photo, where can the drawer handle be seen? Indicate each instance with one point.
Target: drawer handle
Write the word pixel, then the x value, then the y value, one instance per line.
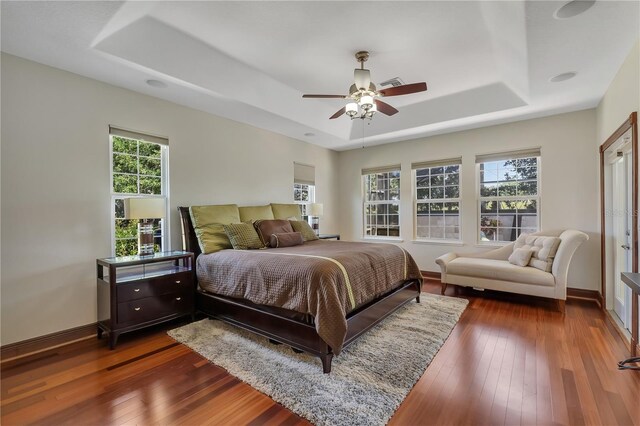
pixel 177 281
pixel 136 290
pixel 136 309
pixel 178 298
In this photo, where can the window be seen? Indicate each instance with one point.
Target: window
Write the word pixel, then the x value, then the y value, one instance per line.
pixel 304 186
pixel 138 170
pixel 304 194
pixel 509 195
pixel 382 202
pixel 437 199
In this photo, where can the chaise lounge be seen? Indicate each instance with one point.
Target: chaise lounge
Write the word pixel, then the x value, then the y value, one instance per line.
pixel 492 270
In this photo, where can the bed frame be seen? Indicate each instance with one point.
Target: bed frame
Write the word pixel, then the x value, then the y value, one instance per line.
pixel 300 335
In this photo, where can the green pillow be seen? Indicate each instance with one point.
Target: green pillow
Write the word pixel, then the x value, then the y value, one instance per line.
pixel 285 211
pixel 305 229
pixel 256 213
pixel 208 223
pixel 243 236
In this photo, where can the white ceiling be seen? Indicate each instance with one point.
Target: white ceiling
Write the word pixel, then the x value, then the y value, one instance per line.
pixel 484 62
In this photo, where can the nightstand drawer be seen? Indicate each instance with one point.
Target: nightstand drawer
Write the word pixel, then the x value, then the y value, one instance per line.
pixel 150 308
pixel 174 283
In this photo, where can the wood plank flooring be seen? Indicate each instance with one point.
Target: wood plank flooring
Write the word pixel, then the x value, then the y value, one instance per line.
pixel 510 360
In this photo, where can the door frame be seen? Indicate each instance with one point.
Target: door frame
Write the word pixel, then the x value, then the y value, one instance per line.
pixel 630 123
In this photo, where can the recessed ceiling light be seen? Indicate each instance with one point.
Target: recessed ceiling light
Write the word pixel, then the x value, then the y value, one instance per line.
pixel 309 134
pixel 562 77
pixel 157 83
pixel 573 8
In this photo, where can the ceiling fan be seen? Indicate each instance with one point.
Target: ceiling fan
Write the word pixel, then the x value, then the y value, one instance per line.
pixel 363 94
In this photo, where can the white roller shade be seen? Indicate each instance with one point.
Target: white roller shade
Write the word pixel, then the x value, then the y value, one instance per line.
pixel 382 169
pixel 436 163
pixel 131 134
pixel 304 174
pixel 509 155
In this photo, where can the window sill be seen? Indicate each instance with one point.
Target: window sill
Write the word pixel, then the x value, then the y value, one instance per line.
pixel 493 244
pixel 439 242
pixel 389 239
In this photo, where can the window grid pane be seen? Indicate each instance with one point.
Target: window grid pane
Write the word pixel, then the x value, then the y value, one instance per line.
pixel 137 170
pixel 509 199
pixel 303 194
pixel 438 202
pixel 382 204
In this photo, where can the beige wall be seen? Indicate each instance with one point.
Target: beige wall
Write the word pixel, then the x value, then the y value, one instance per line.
pixel 55 183
pixel 621 98
pixel 569 185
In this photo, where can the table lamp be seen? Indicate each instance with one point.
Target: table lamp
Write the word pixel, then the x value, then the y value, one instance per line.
pixel 146 209
pixel 315 211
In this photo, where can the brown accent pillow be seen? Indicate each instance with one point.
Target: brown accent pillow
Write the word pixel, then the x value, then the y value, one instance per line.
pixel 287 239
pixel 271 226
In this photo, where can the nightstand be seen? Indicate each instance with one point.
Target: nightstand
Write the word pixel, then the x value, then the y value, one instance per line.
pixel 139 291
pixel 329 236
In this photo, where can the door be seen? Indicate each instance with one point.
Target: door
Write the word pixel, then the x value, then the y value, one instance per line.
pixel 618 198
pixel 621 232
pixel 619 224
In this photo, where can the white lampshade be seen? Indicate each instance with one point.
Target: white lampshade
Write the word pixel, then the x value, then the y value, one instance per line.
pixel 144 208
pixel 315 209
pixel 366 102
pixel 351 109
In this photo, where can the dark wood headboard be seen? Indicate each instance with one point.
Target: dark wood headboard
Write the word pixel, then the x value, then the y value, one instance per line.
pixel 189 239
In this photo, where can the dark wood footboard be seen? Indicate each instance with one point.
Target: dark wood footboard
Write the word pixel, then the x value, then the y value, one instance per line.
pixel 298 334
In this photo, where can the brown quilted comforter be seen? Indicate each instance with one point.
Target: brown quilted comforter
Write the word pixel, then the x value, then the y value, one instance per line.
pixel 326 279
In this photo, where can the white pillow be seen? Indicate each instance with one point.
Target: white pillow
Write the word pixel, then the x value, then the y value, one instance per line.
pixel 544 249
pixel 520 256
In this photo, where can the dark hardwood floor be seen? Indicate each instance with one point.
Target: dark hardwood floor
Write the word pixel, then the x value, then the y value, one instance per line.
pixel 510 360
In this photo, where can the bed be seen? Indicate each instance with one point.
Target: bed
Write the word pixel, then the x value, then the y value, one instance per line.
pixel 317 298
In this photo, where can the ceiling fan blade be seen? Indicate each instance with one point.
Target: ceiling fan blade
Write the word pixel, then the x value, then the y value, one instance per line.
pixel 385 108
pixel 362 78
pixel 324 96
pixel 339 113
pixel 404 89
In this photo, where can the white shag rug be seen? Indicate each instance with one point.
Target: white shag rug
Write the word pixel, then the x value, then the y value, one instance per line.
pixel 368 380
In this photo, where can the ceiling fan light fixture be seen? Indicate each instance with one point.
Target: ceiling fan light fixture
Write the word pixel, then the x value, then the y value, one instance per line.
pixel 366 102
pixel 351 109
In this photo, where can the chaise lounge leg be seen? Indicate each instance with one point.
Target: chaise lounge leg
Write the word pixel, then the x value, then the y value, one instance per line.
pixel 444 288
pixel 561 306
pixel 418 299
pixel 326 362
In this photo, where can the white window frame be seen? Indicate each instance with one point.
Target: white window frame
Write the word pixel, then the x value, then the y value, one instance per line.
pixel 366 203
pixel 480 199
pixel 416 201
pixel 164 189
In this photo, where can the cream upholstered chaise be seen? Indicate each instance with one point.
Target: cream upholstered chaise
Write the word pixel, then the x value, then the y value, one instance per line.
pixel 492 270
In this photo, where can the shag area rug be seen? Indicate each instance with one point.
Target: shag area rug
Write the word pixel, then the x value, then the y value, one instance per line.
pixel 368 380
